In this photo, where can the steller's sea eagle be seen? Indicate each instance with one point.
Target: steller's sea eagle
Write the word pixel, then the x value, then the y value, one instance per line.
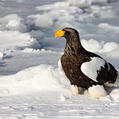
pixel 83 68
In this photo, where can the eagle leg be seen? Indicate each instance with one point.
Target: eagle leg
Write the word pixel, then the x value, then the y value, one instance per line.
pixel 75 90
pixel 97 91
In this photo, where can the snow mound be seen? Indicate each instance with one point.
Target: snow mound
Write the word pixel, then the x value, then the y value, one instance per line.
pixel 12 22
pixel 93 45
pixel 39 78
pixel 104 12
pixel 80 3
pixel 108 27
pixel 59 12
pixel 1 55
pixel 14 40
pixel 40 21
pixel 111 50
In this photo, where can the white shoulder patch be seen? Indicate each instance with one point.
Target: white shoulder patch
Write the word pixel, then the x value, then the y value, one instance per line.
pixel 90 68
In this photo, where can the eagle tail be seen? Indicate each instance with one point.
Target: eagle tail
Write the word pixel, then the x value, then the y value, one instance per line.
pixel 116 84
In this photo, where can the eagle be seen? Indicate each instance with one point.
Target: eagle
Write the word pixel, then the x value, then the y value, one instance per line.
pixel 83 68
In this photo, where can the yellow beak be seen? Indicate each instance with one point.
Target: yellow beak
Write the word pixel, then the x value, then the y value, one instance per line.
pixel 59 33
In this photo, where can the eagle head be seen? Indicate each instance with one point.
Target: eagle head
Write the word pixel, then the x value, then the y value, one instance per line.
pixel 67 33
pixel 72 39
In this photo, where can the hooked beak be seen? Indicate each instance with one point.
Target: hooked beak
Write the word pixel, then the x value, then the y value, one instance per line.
pixel 59 33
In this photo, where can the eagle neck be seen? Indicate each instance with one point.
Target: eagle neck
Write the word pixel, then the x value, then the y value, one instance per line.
pixel 73 45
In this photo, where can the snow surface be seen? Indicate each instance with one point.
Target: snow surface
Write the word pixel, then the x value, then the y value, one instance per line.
pixel 31 84
pixel 33 79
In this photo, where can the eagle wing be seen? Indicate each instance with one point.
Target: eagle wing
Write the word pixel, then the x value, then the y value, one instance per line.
pixel 91 68
pixel 99 70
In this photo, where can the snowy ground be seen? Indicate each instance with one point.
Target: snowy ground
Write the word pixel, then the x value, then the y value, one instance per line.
pixel 31 85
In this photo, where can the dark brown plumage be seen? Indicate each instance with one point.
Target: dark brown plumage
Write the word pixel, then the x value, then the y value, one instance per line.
pixel 75 55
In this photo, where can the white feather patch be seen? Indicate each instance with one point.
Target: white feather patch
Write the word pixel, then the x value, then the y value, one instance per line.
pixel 97 91
pixel 90 68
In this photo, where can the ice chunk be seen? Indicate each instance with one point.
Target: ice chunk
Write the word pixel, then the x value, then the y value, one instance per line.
pixel 12 22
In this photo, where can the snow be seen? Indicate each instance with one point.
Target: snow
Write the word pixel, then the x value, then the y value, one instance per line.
pixel 32 85
pixel 40 21
pixel 81 3
pixel 108 49
pixel 89 43
pixel 43 77
pixel 12 22
pixel 90 68
pixel 1 55
pixel 13 40
pixel 108 27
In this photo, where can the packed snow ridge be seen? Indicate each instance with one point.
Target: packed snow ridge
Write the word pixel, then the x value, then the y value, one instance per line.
pixel 14 40
pixel 34 79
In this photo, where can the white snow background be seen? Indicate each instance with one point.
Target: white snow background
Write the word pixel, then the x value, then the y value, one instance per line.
pixel 31 84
